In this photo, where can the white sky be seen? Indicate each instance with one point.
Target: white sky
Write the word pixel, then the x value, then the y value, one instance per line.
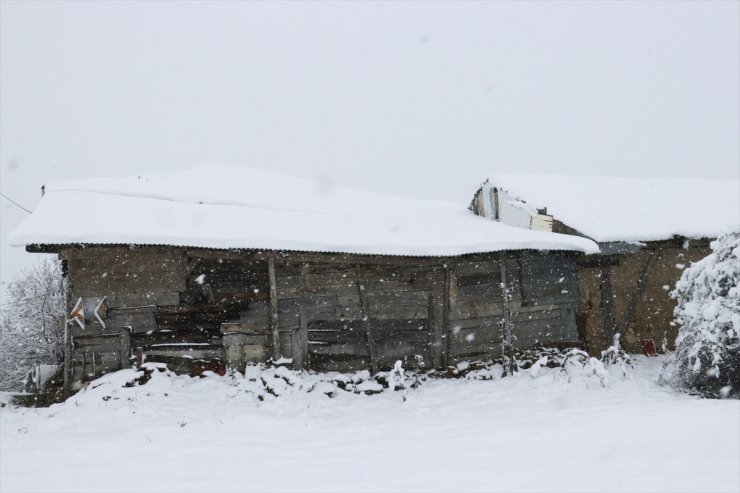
pixel 421 99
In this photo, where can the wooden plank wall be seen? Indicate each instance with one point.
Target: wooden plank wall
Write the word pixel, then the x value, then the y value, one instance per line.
pixel 333 312
pixel 543 290
pixel 324 326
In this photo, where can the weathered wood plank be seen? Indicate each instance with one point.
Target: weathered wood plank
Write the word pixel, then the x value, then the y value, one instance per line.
pixel 366 323
pixel 447 297
pixel 636 295
pixel 186 353
pixel 549 313
pixel 475 337
pixel 243 327
pixel 339 362
pixel 411 355
pixel 274 313
pixel 463 311
pixel 401 298
pixel 548 278
pixel 537 332
pixel 473 267
pixel 358 349
pixel 300 340
pixel 125 347
pixel 237 339
pixel 170 336
pixel 67 355
pixel 337 331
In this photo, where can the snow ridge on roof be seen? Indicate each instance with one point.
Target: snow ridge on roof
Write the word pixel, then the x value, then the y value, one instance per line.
pixel 219 206
pixel 631 209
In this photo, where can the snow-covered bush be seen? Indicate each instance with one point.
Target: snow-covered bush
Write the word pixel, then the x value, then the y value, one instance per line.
pixel 578 365
pixel 615 356
pixel 29 332
pixel 707 357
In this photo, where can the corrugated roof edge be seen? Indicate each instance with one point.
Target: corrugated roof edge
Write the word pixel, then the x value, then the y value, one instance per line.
pixel 57 247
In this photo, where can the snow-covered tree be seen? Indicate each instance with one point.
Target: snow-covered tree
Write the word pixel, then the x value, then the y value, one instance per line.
pixel 29 332
pixel 707 358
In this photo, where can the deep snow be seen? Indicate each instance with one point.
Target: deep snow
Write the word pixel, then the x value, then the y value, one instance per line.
pixel 609 208
pixel 522 433
pixel 219 206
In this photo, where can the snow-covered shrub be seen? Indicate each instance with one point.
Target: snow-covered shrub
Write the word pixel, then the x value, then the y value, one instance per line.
pixel 29 332
pixel 396 377
pixel 707 357
pixel 544 356
pixel 615 357
pixel 578 365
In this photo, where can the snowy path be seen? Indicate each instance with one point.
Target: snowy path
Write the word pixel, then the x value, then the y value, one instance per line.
pixel 516 434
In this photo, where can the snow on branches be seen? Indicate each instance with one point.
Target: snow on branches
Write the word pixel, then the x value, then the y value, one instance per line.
pixel 29 332
pixel 707 357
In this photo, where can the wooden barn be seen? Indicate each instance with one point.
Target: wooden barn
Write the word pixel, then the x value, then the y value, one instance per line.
pixel 222 266
pixel 648 230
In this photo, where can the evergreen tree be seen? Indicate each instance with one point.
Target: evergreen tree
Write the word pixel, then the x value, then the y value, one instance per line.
pixel 707 357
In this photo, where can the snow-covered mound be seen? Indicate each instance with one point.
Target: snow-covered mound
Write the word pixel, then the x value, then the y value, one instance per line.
pixel 707 355
pixel 608 208
pixel 219 206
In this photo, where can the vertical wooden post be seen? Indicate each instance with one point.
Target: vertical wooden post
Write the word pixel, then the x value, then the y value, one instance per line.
pixel 506 346
pixel 125 347
pixel 273 310
pixel 607 303
pixel 446 315
pixel 67 357
pixel 435 327
pixel 84 374
pixel 366 322
pixel 300 338
pixel 636 295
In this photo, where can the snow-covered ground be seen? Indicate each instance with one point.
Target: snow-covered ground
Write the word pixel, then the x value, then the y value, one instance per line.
pixel 533 432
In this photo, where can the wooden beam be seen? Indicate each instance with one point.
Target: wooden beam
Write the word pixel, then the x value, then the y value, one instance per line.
pixel 446 322
pixel 607 301
pixel 300 338
pixel 125 347
pixel 365 322
pixel 67 356
pixel 507 339
pixel 637 293
pixel 273 310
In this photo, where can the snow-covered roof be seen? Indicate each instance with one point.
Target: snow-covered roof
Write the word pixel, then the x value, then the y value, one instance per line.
pixel 218 206
pixel 630 209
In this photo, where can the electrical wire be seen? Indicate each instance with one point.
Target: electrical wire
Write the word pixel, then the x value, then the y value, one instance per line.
pixel 14 202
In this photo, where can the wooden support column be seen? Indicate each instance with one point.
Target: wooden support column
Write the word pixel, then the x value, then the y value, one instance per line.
pixel 636 294
pixel 125 347
pixel 506 346
pixel 68 359
pixel 436 326
pixel 366 322
pixel 67 356
pixel 446 322
pixel 274 329
pixel 607 303
pixel 300 338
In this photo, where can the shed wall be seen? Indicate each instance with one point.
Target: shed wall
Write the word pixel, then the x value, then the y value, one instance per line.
pixel 202 309
pixel 630 294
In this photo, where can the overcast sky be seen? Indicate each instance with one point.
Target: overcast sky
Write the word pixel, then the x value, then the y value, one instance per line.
pixel 422 99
